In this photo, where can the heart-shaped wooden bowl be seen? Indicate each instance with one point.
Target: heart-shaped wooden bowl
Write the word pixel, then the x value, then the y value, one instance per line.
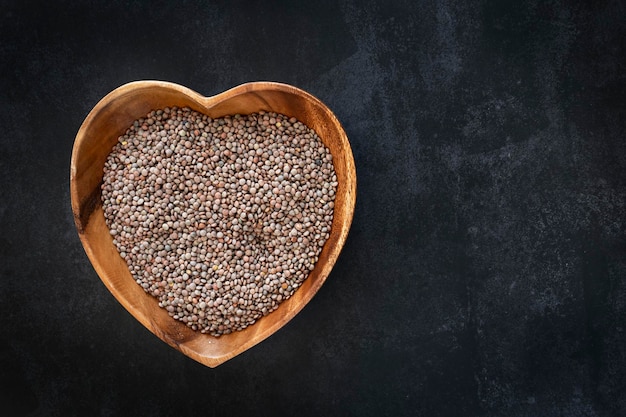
pixel 99 132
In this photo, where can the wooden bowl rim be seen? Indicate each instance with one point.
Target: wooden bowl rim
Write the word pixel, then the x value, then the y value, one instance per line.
pixel 209 102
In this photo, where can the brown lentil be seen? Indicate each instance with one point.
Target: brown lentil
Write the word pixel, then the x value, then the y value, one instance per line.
pixel 220 219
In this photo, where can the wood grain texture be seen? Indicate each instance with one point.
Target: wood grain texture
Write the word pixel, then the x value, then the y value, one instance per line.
pixel 113 115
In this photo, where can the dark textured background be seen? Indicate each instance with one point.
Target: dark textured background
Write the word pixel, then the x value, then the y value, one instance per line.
pixel 485 272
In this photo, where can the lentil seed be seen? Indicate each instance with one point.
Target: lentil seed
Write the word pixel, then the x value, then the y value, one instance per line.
pixel 219 219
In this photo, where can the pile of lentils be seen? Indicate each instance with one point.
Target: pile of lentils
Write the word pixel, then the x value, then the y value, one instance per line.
pixel 220 219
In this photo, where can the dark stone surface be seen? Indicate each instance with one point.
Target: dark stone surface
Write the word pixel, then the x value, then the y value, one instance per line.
pixel 485 273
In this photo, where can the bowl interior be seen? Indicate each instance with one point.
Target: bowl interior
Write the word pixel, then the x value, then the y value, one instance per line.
pixel 113 115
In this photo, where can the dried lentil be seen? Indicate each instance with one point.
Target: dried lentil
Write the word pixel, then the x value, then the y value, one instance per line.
pixel 219 219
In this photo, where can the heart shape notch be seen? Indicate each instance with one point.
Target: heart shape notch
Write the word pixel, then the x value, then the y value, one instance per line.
pixel 99 132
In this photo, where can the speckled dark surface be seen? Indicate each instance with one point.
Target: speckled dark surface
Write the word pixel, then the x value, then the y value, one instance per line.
pixel 485 272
